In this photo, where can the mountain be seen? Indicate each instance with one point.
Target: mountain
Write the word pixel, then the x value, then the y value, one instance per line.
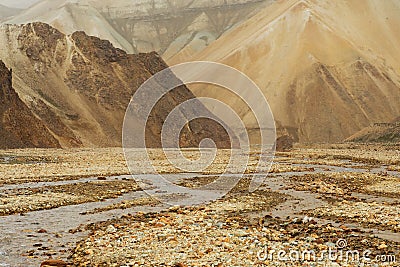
pixel 19 128
pixel 170 27
pixel 327 68
pixel 80 86
pixel 165 26
pixel 6 12
pixel 69 16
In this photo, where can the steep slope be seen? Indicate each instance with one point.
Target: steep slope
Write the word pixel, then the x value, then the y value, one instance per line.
pixel 19 128
pixel 168 27
pixel 172 27
pixel 328 69
pixel 80 86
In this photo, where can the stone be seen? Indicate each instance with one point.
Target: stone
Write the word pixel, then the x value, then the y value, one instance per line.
pixel 56 263
pixel 111 229
pixel 284 143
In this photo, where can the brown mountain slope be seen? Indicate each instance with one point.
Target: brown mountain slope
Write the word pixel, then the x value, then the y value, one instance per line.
pixel 327 68
pixel 80 86
pixel 19 128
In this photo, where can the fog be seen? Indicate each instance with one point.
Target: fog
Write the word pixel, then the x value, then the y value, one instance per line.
pixel 18 3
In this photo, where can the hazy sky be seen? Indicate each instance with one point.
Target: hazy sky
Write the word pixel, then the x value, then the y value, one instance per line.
pixel 18 3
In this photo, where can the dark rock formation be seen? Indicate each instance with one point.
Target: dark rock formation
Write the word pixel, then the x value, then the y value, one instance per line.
pixel 80 87
pixel 284 143
pixel 19 128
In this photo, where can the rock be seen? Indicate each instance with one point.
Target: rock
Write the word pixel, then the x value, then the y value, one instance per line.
pixel 174 208
pixel 284 143
pixel 241 233
pixel 57 263
pixel 382 246
pixel 307 219
pixel 111 229
pixel 42 231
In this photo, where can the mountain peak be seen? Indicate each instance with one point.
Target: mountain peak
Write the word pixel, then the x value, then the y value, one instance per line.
pixel 135 26
pixel 80 86
pixel 319 63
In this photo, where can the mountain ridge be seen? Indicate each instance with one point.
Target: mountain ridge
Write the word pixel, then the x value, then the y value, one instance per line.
pixel 80 86
pixel 161 26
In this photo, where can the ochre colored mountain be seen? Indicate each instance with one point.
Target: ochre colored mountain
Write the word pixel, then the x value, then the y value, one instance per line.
pixel 327 68
pixel 80 86
pixel 19 128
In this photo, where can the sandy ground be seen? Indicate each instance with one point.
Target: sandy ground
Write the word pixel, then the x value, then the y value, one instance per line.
pixel 340 197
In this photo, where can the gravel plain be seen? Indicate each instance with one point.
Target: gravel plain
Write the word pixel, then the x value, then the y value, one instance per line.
pixel 355 190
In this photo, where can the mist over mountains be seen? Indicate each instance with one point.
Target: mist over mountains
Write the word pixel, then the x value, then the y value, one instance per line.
pixel 164 26
pixel 7 12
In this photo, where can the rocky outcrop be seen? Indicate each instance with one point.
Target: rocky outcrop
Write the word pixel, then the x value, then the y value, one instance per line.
pixel 378 133
pixel 19 128
pixel 80 87
pixel 284 143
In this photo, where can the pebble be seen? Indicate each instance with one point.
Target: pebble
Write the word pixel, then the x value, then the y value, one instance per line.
pixel 54 263
pixel 111 229
pixel 166 239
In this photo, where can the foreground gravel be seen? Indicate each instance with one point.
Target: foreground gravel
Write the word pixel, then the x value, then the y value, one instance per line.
pixel 382 216
pixel 207 236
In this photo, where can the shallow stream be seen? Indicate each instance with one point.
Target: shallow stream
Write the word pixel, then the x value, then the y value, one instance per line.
pixel 22 244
